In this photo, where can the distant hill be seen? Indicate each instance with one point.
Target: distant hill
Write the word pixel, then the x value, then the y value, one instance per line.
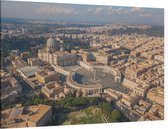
pixel 157 31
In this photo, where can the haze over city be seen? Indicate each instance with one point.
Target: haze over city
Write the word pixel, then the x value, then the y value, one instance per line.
pixel 82 13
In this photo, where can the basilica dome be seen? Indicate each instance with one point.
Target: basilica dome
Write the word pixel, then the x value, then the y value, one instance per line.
pixel 52 44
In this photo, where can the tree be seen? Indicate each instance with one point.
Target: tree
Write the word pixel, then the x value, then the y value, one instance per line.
pixel 115 115
pixel 94 100
pixel 105 107
pixel 22 43
pixel 82 101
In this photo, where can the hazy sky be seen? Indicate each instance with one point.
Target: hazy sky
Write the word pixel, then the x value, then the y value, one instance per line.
pixel 82 13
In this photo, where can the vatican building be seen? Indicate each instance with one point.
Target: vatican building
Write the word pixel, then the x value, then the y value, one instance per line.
pixel 54 54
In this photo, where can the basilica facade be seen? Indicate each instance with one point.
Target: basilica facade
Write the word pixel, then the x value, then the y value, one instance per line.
pixel 54 54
